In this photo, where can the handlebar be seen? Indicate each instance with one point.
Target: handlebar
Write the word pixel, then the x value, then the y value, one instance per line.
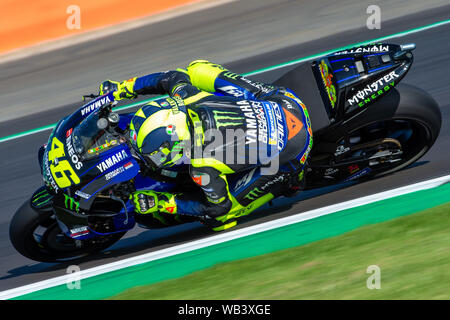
pixel 90 96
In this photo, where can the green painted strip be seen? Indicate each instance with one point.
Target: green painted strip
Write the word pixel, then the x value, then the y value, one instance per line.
pixel 357 44
pixel 51 126
pixel 270 68
pixel 28 132
pixel 109 284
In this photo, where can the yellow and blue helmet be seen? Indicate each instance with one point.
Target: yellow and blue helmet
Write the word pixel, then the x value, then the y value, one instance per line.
pixel 159 131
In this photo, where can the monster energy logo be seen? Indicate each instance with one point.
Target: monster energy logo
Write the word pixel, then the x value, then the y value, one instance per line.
pixel 41 198
pixel 259 191
pixel 70 203
pixel 227 118
pixel 231 75
pixel 255 193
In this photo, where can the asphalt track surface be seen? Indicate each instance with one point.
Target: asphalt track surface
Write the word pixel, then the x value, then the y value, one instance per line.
pixel 19 175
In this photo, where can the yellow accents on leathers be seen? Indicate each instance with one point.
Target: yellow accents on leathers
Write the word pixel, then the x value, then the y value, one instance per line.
pixel 203 74
pixel 196 98
pixel 211 162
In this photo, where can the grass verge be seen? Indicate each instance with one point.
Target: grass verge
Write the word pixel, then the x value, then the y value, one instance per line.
pixel 412 252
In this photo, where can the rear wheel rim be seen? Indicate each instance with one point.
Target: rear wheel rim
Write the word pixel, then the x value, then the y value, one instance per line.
pixel 414 137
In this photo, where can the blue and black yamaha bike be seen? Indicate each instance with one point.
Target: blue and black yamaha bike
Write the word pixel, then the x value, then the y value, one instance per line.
pixel 365 124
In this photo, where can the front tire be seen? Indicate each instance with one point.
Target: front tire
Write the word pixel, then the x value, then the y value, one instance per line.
pixel 37 236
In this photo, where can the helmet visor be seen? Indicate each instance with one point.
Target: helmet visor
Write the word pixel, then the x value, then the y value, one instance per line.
pixel 161 156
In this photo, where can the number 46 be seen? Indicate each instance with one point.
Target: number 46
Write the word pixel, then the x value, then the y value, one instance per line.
pixel 62 170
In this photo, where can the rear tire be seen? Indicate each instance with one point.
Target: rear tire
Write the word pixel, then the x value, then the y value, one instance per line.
pixel 417 107
pixel 413 148
pixel 405 104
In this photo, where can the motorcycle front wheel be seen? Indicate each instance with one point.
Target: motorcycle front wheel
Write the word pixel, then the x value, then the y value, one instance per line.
pixel 37 236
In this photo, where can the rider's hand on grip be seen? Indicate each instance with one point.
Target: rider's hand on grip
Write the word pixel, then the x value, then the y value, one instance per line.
pixel 121 90
pixel 145 202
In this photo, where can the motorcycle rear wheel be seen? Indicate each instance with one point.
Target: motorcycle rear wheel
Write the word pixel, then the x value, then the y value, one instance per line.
pixel 407 110
pixel 413 147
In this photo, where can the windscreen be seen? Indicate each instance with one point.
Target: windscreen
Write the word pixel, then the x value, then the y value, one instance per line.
pixel 91 137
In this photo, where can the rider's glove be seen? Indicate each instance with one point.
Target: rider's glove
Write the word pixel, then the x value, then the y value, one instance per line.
pixel 151 202
pixel 122 90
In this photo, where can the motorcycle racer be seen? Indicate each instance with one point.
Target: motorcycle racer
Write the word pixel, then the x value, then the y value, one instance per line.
pixel 208 101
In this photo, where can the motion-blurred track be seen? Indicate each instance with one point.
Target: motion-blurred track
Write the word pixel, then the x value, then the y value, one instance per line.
pixel 20 173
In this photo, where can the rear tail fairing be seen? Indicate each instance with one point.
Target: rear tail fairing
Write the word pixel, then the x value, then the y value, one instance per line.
pixel 351 80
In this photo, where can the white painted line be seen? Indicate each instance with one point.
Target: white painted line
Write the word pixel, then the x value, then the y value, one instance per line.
pixel 223 237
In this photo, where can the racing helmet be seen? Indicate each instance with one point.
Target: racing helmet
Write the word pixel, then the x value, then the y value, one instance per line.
pixel 159 134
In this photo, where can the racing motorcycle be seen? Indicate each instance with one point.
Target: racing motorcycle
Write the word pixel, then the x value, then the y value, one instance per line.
pixel 365 124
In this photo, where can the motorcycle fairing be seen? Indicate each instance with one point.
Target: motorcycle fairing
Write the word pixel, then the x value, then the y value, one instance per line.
pixel 351 80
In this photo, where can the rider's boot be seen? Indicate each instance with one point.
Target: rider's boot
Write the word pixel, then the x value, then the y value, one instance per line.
pixel 217 225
